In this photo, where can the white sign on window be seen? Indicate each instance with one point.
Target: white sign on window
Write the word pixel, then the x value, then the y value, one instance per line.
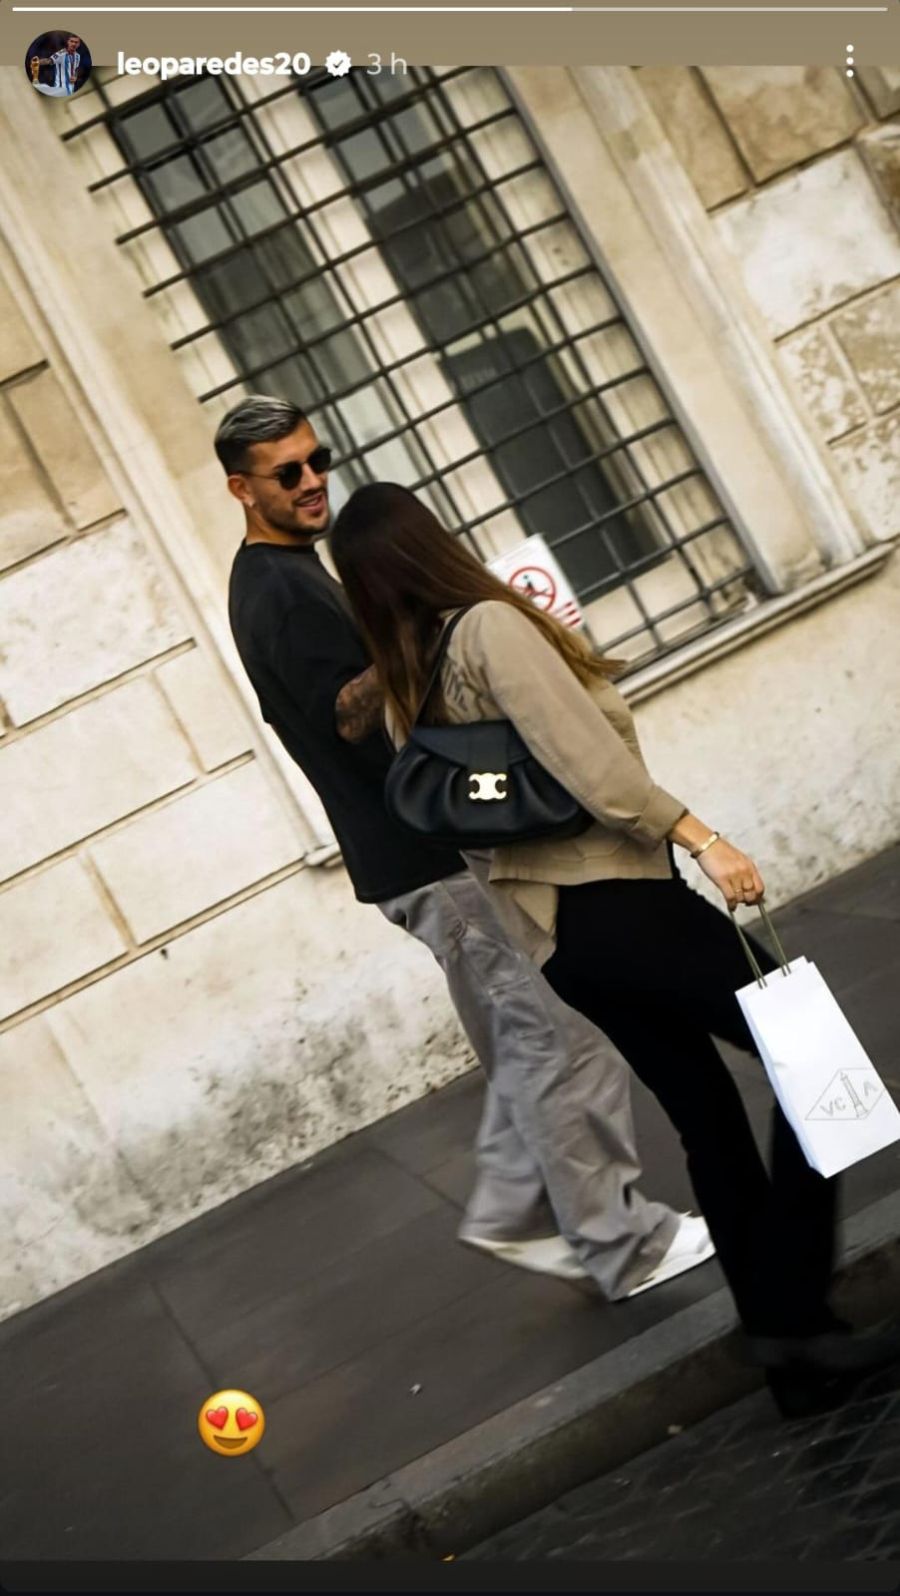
pixel 531 569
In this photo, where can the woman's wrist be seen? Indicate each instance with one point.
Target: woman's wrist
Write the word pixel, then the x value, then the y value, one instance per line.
pixel 714 836
pixel 692 834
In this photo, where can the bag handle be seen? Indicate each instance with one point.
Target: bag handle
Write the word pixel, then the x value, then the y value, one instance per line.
pixel 447 633
pixel 751 956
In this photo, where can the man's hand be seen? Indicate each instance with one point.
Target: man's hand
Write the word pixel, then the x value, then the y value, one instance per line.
pixel 358 707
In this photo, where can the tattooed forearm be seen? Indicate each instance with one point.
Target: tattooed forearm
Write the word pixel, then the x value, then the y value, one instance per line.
pixel 358 707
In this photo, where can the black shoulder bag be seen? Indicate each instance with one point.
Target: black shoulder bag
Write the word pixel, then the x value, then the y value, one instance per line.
pixel 476 785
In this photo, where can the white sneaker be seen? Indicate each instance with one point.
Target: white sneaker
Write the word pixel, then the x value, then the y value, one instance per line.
pixel 690 1246
pixel 552 1255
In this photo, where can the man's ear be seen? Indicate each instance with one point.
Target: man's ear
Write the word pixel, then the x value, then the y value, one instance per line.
pixel 237 486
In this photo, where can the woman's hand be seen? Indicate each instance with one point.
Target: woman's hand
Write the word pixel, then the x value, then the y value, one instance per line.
pixel 736 876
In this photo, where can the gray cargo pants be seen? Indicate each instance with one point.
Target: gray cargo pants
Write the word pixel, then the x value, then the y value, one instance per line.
pixel 555 1147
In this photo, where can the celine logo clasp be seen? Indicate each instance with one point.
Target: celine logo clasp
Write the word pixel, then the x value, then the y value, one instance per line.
pixel 487 784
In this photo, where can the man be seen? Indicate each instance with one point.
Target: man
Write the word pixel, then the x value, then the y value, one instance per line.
pixel 557 1117
pixel 66 63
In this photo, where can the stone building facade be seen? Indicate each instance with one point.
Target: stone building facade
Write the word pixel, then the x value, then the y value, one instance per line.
pixel 702 263
pixel 772 155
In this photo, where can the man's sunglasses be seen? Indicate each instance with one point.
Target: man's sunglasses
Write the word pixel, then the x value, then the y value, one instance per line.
pixel 290 474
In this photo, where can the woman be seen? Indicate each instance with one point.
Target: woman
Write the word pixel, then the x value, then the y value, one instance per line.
pixel 619 934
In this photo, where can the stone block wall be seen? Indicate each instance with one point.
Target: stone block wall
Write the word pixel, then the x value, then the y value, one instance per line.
pixel 800 169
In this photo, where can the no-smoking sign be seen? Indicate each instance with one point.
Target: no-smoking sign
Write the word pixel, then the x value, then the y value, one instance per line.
pixel 534 570
pixel 536 584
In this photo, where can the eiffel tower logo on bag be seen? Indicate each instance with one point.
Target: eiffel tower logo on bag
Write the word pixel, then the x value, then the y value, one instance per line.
pixel 851 1094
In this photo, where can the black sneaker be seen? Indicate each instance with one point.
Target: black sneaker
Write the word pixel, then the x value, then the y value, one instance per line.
pixel 838 1351
pixel 802 1393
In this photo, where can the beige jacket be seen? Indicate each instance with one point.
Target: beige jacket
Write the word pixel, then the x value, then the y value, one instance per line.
pixel 499 666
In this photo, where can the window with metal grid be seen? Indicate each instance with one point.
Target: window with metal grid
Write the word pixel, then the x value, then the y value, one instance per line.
pixel 393 254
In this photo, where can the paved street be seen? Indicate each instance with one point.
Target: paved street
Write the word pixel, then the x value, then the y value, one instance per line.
pixel 741 1486
pixel 336 1295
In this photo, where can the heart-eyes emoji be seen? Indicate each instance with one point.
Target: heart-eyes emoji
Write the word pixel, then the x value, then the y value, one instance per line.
pixel 231 1422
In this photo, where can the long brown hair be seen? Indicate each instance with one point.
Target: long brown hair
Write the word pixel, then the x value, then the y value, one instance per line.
pixel 401 570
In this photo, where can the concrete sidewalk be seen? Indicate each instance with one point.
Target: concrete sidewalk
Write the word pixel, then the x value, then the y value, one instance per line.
pixel 389 1359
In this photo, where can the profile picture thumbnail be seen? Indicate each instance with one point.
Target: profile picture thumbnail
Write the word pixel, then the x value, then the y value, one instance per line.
pixel 58 64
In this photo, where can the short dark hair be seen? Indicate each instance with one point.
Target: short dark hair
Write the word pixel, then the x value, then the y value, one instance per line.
pixel 259 418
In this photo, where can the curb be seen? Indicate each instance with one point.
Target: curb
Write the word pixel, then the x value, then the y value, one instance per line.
pixel 593 1420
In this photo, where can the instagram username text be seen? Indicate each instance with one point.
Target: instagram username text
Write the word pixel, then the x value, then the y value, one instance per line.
pixel 169 66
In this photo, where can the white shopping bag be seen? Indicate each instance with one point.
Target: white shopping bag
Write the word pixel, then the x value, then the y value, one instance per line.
pixel 829 1089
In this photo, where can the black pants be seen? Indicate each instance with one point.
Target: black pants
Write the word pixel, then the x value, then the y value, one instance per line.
pixel 656 967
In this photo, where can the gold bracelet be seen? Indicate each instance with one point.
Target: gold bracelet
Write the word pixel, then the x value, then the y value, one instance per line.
pixel 708 844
